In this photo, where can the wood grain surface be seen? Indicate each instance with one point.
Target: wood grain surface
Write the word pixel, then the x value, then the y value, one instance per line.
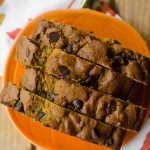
pixel 135 12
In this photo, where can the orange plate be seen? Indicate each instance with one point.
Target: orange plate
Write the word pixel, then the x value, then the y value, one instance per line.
pixel 102 26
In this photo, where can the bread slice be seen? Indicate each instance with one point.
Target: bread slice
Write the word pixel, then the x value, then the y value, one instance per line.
pixel 63 65
pixel 106 52
pixel 61 119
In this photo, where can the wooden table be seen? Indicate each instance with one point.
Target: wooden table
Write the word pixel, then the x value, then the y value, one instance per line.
pixel 135 12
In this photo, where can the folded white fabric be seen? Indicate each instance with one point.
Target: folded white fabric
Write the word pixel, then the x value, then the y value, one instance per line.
pixel 17 13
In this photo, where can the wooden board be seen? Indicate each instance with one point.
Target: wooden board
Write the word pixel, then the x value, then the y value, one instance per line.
pixel 136 13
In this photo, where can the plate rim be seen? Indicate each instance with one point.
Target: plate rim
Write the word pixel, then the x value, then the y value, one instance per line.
pixel 6 70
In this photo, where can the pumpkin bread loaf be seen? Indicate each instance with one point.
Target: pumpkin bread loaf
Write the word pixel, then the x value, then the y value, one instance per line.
pixel 74 83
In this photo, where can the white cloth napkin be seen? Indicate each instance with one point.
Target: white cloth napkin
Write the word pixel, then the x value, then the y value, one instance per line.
pixel 17 14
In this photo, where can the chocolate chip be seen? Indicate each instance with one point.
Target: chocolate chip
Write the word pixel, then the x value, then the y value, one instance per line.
pixel 109 141
pixel 54 36
pixel 63 70
pixel 93 37
pixel 118 59
pixel 116 42
pixel 103 118
pixel 78 104
pixel 116 64
pixel 51 96
pixel 105 106
pixel 19 107
pixel 121 58
pixel 95 133
pixel 123 54
pixel 111 107
pixel 37 37
pixel 124 58
pixel 92 82
pixel 41 115
pixel 87 82
pixel 110 52
pixel 47 125
pixel 71 106
pixel 69 49
pixel 130 53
